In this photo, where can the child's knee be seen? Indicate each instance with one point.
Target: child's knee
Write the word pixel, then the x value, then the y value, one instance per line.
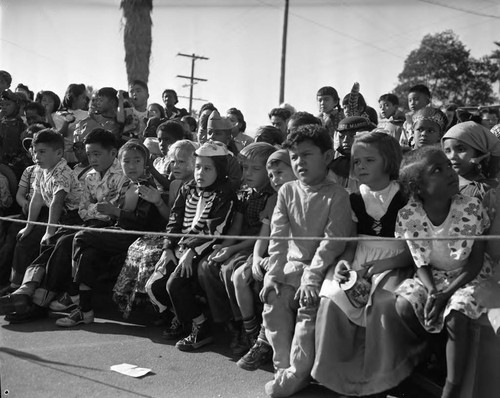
pixel 404 308
pixel 241 278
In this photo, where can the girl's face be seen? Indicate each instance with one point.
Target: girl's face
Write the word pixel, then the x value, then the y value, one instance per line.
pixel 460 155
pixel 153 111
pixel 48 103
pixel 182 165
pixel 80 101
pixel 205 172
pixel 439 181
pixel 133 164
pixel 369 167
pixel 326 103
pixel 426 133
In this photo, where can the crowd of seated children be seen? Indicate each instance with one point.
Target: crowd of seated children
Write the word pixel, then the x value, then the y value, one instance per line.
pixel 279 294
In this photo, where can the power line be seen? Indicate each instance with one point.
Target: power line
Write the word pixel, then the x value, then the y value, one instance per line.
pixel 480 14
pixel 193 80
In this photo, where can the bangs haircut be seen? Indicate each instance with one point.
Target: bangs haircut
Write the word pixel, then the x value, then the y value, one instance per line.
pixel 257 151
pixel 102 137
pixel 49 137
pixel 134 145
pixel 311 132
pixel 388 147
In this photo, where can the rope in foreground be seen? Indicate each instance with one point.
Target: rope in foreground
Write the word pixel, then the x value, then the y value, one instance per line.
pixel 111 230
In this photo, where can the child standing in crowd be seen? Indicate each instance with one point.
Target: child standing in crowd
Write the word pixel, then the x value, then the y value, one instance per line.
pixel 145 252
pixel 170 99
pixel 240 139
pixel 156 110
pixel 364 348
pixel 134 119
pixel 11 128
pixel 202 207
pixel 448 272
pixel 57 189
pixel 330 111
pixel 419 97
pixel 279 119
pixel 428 126
pixel 91 249
pixel 312 206
pixel 474 153
pixel 216 274
pixel 392 118
pixel 248 278
pixel 354 104
pixel 341 166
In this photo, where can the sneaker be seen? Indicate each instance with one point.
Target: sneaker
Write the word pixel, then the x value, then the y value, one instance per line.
pixel 76 317
pixel 175 331
pixel 242 344
pixel 260 354
pixel 200 335
pixel 64 302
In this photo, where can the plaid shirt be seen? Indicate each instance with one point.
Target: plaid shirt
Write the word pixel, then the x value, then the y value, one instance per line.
pixel 251 203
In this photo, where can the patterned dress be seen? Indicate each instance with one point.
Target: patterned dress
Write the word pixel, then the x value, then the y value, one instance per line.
pixel 467 217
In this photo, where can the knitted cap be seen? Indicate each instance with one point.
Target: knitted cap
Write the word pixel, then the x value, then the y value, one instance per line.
pixel 355 123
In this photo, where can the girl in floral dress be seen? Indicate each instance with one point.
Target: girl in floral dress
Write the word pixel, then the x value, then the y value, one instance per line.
pixel 449 272
pixel 145 252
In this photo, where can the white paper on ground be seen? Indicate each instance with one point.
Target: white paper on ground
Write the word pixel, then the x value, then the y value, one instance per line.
pixel 130 370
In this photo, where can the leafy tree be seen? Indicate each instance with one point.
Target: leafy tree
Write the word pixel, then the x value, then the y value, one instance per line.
pixel 137 37
pixel 444 64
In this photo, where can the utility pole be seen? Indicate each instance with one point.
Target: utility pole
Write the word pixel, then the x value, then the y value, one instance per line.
pixel 283 53
pixel 193 80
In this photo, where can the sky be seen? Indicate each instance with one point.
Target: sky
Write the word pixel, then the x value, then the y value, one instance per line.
pixel 48 44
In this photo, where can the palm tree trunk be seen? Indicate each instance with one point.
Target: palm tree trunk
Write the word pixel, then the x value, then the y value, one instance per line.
pixel 137 37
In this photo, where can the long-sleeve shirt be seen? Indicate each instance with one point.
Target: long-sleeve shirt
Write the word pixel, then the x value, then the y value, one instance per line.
pixel 201 212
pixel 301 211
pixel 98 189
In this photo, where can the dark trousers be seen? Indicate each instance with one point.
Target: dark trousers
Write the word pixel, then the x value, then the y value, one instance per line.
pixel 182 292
pixel 7 247
pixel 92 251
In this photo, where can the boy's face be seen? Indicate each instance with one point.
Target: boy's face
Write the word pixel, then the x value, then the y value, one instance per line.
pixel 426 133
pixel 309 164
pixel 279 173
pixel 138 95
pixel 417 101
pixel 255 173
pixel 3 85
pixel 165 140
pixel 326 103
pixel 100 158
pixel 169 99
pixel 8 107
pixel 346 138
pixel 488 120
pixel 387 109
pixel 219 135
pixel 47 157
pixel 279 123
pixel 103 104
pixel 33 117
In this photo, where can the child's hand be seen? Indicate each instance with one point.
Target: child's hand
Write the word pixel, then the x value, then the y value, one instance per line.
pixel 436 302
pixel 342 271
pixel 264 264
pixel 186 264
pixel 221 254
pixel 269 284
pixel 23 233
pixel 108 209
pixel 149 194
pixel 307 295
pixel 166 257
pixel 257 273
pixel 45 238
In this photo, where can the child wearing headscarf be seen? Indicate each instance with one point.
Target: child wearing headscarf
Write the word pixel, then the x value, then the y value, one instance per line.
pixel 474 153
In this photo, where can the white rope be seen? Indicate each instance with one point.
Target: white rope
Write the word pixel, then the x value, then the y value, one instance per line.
pixel 244 237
